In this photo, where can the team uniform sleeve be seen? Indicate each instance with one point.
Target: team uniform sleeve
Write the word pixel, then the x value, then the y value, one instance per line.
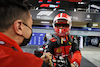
pixel 49 47
pixel 76 54
pixel 44 64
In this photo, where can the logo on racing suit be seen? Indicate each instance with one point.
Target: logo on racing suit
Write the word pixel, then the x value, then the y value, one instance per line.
pixel 59 50
pixel 69 43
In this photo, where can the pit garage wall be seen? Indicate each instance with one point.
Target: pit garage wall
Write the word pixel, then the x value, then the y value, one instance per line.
pixel 72 32
pixel 76 16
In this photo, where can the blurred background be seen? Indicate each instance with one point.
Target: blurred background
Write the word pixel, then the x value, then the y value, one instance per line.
pixel 85 15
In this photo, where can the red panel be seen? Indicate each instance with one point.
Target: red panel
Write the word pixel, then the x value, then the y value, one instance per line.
pixel 44 5
pixel 75 0
pixel 40 0
pixel 57 1
pixel 49 0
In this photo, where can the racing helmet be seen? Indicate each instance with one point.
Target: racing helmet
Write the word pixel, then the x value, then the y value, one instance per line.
pixel 62 19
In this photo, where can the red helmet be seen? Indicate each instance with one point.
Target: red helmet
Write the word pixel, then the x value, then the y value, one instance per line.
pixel 64 20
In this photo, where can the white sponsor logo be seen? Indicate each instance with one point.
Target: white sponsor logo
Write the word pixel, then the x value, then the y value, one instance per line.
pixel 2 42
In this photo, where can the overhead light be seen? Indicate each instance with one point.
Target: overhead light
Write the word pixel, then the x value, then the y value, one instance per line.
pixel 89 29
pixel 37 8
pixel 75 10
pixel 45 22
pixel 47 27
pixel 54 9
pixel 81 2
pixel 43 9
pixel 47 13
pixel 61 9
pixel 95 24
pixel 53 6
pixel 95 6
pixel 79 8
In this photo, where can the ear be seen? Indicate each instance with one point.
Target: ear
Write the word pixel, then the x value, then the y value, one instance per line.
pixel 18 27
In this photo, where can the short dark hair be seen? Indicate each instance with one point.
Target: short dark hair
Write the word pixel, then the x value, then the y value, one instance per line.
pixel 11 10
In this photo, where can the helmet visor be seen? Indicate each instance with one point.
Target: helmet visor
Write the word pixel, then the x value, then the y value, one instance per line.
pixel 63 25
pixel 61 22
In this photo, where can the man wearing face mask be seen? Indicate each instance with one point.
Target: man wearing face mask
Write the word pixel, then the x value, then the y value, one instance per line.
pixel 15 31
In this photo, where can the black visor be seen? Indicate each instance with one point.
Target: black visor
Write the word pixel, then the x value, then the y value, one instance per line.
pixel 64 25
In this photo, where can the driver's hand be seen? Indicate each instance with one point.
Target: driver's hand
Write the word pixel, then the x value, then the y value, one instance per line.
pixel 73 65
pixel 47 57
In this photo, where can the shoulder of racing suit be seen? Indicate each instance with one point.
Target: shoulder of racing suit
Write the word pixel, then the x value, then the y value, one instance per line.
pixel 55 42
pixel 57 39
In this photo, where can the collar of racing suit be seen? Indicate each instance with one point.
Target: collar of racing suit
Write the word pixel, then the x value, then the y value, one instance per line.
pixel 8 42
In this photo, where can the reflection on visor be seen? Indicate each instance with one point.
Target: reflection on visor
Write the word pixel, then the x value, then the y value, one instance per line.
pixel 63 25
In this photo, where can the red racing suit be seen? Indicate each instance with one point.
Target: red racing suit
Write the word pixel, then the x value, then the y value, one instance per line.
pixel 11 55
pixel 64 46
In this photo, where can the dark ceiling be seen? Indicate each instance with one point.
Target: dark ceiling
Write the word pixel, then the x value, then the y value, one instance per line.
pixel 67 5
